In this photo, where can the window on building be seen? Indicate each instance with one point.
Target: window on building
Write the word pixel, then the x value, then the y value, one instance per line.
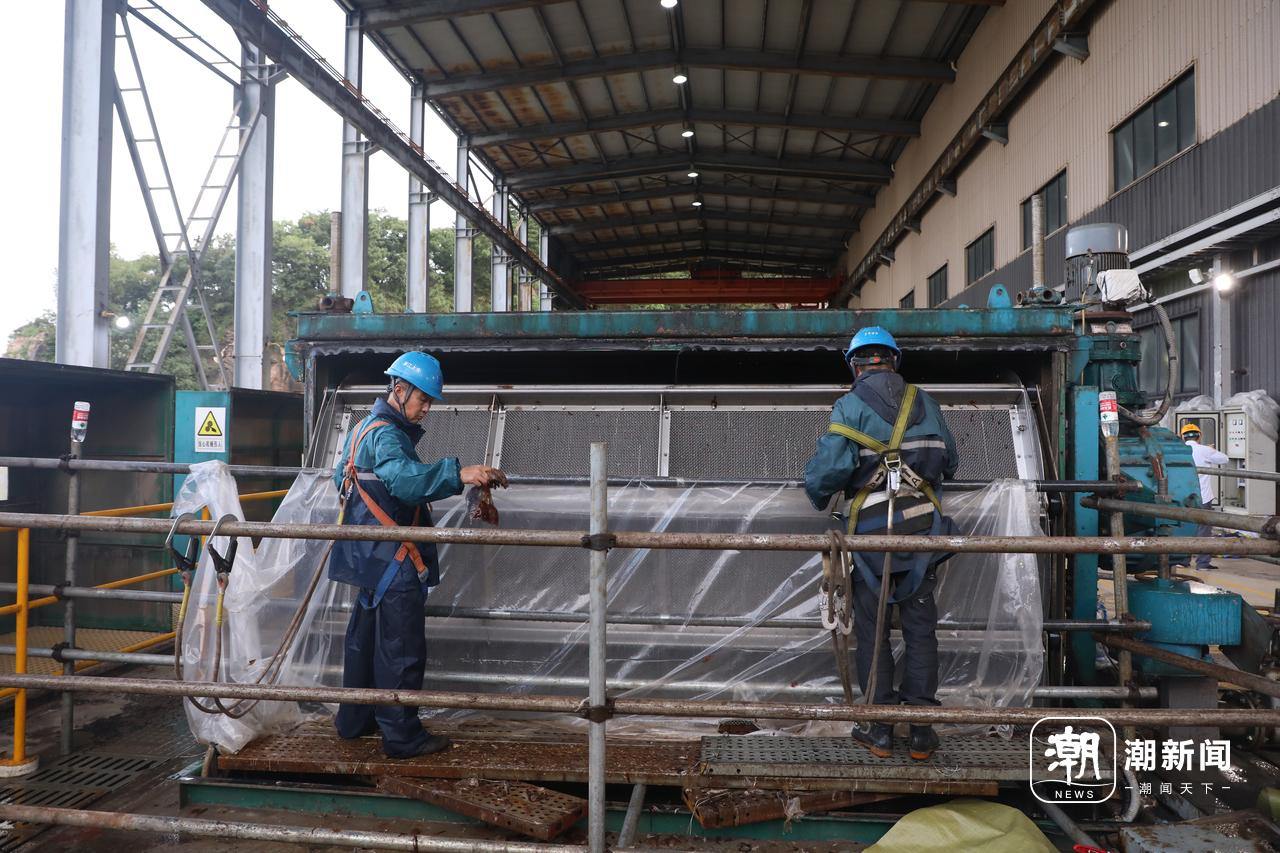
pixel 1153 371
pixel 980 256
pixel 1155 133
pixel 908 301
pixel 938 287
pixel 1055 207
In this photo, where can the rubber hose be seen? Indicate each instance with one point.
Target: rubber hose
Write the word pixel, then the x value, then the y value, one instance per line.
pixel 1135 800
pixel 1154 416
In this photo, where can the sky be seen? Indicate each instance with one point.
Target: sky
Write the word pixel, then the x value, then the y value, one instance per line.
pixel 192 108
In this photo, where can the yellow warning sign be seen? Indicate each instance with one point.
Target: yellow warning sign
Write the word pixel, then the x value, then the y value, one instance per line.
pixel 211 429
pixel 210 426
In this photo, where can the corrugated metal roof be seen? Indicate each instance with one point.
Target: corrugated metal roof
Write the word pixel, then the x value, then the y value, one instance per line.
pixel 798 110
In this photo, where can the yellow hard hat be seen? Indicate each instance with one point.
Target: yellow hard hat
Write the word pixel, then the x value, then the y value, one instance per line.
pixel 1187 429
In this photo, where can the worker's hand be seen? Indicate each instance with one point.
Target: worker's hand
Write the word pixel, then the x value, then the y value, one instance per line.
pixel 483 475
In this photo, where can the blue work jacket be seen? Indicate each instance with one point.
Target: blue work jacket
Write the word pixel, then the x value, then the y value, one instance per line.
pixel 841 466
pixel 400 483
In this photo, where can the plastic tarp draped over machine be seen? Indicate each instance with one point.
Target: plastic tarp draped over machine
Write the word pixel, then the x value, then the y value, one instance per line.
pixel 682 623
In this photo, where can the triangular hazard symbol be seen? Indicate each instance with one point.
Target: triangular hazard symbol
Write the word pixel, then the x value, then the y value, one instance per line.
pixel 210 426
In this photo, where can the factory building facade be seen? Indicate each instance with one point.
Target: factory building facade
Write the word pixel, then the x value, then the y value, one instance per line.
pixel 1162 116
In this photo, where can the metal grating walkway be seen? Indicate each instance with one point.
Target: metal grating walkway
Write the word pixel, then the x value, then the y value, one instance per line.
pixel 72 782
pixel 969 758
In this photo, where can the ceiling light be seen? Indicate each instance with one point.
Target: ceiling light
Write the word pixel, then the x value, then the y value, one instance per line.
pixel 697 204
pixel 686 133
pixel 693 174
pixel 1224 281
pixel 680 79
pixel 668 4
pixel 1162 124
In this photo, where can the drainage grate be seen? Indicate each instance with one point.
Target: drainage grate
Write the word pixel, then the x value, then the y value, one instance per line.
pixel 72 782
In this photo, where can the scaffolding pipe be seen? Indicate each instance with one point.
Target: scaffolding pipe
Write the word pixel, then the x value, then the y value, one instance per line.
pixel 126 466
pixel 1050 692
pixel 1224 674
pixel 95 592
pixel 1073 831
pixel 69 608
pixel 131 658
pixel 1051 626
pixel 1119 570
pixel 304 835
pixel 1046 692
pixel 627 835
pixel 678 541
pixel 1240 474
pixel 131 467
pixel 1263 526
pixel 643 707
pixel 596 639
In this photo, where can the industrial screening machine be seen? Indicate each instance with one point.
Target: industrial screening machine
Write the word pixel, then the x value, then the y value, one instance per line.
pixel 710 417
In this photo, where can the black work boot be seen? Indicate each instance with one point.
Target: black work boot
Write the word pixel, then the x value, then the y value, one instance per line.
pixel 433 744
pixel 924 740
pixel 877 737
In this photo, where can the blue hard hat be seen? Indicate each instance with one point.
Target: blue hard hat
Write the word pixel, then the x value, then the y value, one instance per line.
pixel 872 336
pixel 420 370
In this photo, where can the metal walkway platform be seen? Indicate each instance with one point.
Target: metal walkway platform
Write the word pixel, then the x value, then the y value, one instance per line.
pixel 970 758
pixel 542 752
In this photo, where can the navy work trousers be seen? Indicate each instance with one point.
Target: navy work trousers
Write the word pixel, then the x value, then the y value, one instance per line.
pixel 386 648
pixel 918 614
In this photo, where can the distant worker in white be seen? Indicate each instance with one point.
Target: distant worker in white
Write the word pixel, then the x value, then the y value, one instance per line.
pixel 1203 455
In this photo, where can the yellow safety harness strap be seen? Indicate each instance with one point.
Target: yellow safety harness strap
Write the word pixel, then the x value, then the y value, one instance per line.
pixel 885 450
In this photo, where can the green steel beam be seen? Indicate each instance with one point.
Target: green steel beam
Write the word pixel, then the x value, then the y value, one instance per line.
pixel 952 326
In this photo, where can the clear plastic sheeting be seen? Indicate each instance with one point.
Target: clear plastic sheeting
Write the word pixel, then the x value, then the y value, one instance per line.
pixel 682 623
pixel 1262 411
pixel 264 591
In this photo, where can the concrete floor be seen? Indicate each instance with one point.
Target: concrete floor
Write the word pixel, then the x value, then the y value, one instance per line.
pixel 1255 581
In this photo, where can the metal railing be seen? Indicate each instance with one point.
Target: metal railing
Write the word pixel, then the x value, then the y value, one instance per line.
pixel 598 707
pixel 71 657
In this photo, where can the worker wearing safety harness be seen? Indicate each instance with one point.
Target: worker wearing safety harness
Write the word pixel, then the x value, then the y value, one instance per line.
pixel 888 446
pixel 383 482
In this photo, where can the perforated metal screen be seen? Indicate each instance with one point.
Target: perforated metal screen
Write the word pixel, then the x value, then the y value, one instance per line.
pixel 739 443
pixel 744 445
pixel 984 438
pixel 557 443
pixel 463 433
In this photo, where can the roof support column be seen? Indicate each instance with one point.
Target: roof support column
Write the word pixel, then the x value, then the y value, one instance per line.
pixel 253 223
pixel 462 301
pixel 544 242
pixel 419 231
pixel 354 256
pixel 501 299
pixel 524 287
pixel 85 216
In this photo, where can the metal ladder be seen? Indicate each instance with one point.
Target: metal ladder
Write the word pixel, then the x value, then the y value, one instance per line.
pixel 169 309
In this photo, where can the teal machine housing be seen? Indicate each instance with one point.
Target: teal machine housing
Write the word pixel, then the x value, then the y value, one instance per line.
pixel 1069 351
pixel 239 427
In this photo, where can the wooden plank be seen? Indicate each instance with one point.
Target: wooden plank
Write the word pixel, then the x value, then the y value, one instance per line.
pixel 518 806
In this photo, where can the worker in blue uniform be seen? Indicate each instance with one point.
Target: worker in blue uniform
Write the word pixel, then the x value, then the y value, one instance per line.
pixel 383 482
pixel 885 433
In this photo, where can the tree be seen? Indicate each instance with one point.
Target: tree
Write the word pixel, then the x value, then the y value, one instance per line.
pixel 300 276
